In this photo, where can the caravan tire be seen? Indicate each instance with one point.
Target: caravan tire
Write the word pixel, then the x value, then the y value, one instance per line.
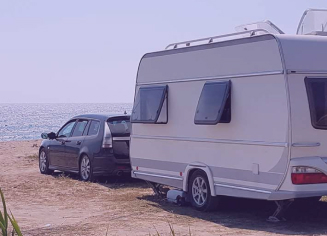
pixel 199 192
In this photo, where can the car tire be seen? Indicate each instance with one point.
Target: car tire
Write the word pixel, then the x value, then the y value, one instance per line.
pixel 44 163
pixel 200 194
pixel 85 169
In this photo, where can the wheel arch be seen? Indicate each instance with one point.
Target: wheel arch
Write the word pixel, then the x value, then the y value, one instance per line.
pixel 41 147
pixel 80 158
pixel 84 151
pixel 191 168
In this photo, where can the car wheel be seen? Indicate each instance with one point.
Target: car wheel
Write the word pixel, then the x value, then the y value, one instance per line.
pixel 200 194
pixel 44 163
pixel 85 170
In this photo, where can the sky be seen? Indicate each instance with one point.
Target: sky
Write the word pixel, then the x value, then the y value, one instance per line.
pixel 83 51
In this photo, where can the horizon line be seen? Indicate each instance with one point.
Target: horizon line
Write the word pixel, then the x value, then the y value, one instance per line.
pixel 66 102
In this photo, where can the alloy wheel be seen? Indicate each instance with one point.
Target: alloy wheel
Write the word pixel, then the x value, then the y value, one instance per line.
pixel 85 168
pixel 43 161
pixel 199 191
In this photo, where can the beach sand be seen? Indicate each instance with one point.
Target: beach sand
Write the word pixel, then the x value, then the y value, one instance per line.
pixel 61 205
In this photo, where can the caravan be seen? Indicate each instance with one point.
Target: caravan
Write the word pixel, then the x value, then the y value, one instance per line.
pixel 243 114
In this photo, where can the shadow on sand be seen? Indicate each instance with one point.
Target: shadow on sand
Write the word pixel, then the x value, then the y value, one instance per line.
pixel 113 182
pixel 252 215
pixel 238 213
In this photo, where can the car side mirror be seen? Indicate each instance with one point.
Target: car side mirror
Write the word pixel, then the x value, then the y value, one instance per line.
pixel 44 135
pixel 51 135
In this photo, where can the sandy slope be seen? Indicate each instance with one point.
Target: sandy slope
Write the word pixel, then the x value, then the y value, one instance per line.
pixel 56 205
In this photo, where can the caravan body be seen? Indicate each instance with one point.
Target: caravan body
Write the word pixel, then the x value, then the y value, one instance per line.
pixel 250 113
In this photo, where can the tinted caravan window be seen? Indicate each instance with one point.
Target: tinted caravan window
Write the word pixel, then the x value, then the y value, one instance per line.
pixel 317 96
pixel 150 103
pixel 214 105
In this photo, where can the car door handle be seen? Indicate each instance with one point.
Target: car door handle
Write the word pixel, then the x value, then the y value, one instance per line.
pixel 78 142
pixel 65 141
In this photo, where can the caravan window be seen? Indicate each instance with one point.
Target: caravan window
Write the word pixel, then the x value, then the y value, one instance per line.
pixel 151 105
pixel 214 105
pixel 317 95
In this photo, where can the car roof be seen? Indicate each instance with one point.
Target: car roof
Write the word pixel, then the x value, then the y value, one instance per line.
pixel 100 116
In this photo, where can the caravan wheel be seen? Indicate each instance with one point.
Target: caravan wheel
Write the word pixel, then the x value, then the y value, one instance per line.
pixel 200 194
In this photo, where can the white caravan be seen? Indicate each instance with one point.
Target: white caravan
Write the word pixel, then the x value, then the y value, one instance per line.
pixel 241 115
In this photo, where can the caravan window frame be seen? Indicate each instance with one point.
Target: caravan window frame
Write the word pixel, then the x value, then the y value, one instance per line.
pixel 163 104
pixel 224 112
pixel 312 105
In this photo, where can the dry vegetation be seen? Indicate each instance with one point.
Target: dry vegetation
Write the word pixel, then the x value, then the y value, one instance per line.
pixel 62 205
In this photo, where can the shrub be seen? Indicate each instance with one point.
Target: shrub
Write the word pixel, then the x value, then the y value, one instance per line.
pixel 4 217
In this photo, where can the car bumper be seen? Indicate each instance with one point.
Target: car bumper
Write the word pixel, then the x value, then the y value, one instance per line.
pixel 109 165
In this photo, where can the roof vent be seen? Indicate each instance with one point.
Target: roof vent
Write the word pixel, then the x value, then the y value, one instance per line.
pixel 266 25
pixel 313 22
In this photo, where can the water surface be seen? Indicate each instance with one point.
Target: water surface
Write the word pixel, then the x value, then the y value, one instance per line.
pixel 28 121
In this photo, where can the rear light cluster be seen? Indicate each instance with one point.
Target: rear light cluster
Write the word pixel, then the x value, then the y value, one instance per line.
pixel 107 139
pixel 307 175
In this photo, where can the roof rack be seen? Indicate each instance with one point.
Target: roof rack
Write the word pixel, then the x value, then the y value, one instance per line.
pixel 211 39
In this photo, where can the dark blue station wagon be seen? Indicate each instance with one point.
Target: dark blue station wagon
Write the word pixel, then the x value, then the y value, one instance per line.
pixel 89 145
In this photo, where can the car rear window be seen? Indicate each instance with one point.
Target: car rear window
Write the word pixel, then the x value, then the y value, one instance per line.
pixel 119 126
pixel 317 96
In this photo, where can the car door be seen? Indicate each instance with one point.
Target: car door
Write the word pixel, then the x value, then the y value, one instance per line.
pixel 74 144
pixel 57 148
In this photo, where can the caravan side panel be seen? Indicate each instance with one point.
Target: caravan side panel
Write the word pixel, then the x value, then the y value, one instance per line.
pixel 246 153
pixel 238 57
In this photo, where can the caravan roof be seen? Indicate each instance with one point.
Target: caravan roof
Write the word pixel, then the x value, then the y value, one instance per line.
pixel 313 22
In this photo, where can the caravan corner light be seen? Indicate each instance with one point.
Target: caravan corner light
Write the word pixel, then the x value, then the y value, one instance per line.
pixel 307 175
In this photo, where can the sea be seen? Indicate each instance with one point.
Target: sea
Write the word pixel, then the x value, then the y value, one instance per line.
pixel 24 121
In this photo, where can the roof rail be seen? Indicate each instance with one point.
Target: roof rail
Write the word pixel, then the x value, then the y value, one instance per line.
pixel 211 39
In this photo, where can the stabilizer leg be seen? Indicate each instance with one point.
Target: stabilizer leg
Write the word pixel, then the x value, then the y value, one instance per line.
pixel 157 189
pixel 282 206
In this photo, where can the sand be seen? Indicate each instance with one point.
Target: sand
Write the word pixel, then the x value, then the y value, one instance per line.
pixel 62 205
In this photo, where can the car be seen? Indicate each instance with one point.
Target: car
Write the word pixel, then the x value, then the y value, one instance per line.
pixel 89 145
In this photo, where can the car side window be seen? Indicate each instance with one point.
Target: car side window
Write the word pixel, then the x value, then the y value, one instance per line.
pixel 94 128
pixel 66 129
pixel 86 130
pixel 79 128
